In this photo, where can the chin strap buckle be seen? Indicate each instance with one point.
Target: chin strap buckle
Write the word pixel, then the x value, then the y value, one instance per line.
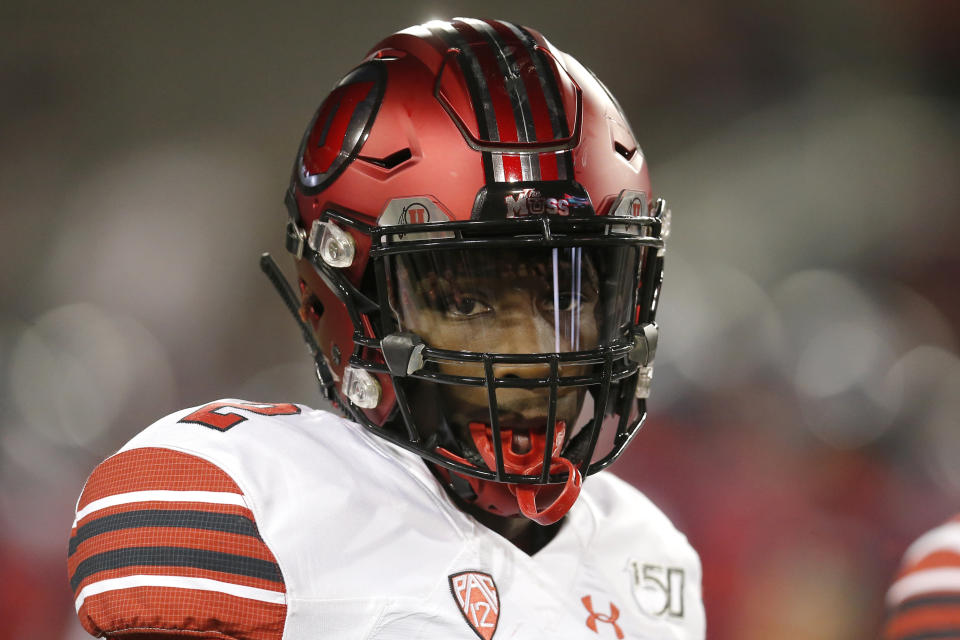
pixel 295 239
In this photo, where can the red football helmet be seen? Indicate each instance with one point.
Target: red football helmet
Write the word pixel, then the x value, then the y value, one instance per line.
pixel 479 261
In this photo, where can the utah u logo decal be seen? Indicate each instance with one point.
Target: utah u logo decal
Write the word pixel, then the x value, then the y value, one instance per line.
pixel 476 593
pixel 414 213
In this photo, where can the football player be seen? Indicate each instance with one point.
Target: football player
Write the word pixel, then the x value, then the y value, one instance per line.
pixel 924 599
pixel 478 260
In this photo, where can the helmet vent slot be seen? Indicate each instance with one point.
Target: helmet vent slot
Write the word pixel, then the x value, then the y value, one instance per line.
pixel 624 151
pixel 395 159
pixel 389 54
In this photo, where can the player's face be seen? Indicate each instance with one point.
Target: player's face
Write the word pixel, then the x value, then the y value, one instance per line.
pixel 544 301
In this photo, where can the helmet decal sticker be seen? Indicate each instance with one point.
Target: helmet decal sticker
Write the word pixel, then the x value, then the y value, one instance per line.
pixel 415 213
pixel 530 202
pixel 630 204
pixel 340 127
pixel 422 210
pixel 533 198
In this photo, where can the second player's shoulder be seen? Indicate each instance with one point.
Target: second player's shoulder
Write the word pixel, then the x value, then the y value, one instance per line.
pixel 924 598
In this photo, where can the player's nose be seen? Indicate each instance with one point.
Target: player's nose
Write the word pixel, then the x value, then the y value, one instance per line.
pixel 530 333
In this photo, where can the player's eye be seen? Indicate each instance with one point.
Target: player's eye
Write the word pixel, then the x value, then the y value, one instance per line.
pixel 565 302
pixel 467 307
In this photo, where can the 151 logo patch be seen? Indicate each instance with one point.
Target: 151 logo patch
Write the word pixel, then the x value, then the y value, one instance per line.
pixel 657 589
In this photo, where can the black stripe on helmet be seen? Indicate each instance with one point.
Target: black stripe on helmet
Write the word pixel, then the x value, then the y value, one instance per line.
pixel 551 92
pixel 519 100
pixel 479 95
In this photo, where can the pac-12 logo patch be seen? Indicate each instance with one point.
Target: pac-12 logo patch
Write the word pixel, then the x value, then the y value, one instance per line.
pixel 476 594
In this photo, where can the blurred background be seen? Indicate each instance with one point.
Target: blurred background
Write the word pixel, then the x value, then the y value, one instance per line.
pixel 804 423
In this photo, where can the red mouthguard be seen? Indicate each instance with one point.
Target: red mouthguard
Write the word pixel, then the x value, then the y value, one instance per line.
pixel 531 463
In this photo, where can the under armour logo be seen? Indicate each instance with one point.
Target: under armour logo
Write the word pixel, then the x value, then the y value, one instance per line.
pixel 595 617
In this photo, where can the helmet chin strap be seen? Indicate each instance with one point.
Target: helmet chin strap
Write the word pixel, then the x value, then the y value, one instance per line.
pixel 526 463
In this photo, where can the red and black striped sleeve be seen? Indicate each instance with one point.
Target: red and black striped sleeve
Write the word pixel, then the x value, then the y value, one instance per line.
pixel 165 544
pixel 924 600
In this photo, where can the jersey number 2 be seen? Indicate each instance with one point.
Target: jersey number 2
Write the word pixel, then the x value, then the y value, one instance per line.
pixel 217 415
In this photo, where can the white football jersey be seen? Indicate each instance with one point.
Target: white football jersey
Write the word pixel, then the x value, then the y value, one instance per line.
pixel 275 521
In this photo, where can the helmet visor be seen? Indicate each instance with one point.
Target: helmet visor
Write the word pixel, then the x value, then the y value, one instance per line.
pixel 509 301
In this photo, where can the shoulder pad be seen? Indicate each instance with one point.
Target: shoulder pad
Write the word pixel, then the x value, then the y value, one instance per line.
pixel 621 508
pixel 924 599
pixel 164 541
